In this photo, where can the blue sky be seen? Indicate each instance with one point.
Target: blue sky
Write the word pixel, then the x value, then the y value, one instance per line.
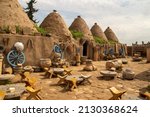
pixel 129 19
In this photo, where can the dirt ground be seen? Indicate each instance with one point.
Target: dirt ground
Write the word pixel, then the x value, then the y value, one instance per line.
pixel 99 89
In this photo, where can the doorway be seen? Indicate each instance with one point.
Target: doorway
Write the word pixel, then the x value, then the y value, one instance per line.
pixel 85 48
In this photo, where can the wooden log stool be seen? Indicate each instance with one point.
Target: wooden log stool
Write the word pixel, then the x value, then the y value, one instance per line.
pixel 33 93
pixel 2 95
pixel 116 93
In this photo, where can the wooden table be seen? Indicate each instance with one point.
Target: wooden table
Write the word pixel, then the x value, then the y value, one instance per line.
pixel 19 89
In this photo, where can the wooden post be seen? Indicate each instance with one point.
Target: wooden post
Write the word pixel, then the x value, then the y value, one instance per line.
pixel 116 48
pixel 1 63
pixel 78 59
pixel 148 55
pixel 126 51
pixel 95 54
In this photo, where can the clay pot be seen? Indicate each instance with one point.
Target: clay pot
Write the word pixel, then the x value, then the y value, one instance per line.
pixel 45 62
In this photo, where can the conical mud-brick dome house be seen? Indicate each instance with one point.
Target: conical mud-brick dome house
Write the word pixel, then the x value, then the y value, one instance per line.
pixel 98 32
pixel 12 16
pixel 80 25
pixel 111 35
pixel 56 25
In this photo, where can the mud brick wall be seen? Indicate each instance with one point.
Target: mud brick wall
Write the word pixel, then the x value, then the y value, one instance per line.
pixel 35 47
pixel 129 50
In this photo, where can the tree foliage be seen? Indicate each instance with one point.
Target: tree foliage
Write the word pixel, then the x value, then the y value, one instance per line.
pixel 30 10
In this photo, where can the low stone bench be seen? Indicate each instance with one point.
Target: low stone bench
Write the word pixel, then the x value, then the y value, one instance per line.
pixel 108 74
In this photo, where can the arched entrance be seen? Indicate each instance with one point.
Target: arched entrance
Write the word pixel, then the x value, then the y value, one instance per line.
pixel 85 46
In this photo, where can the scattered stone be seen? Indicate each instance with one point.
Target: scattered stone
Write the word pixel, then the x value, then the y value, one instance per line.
pixel 114 64
pixel 120 86
pixel 128 74
pixel 113 69
pixel 89 66
pixel 124 61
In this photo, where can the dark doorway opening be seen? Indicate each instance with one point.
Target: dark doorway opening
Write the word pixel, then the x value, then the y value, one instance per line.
pixel 85 48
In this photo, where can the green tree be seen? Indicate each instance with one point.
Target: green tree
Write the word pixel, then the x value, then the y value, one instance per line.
pixel 30 10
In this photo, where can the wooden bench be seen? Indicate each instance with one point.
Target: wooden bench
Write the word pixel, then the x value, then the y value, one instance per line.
pixel 33 93
pixel 116 93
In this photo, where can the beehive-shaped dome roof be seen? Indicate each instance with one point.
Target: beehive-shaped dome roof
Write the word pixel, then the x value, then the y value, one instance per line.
pixel 98 32
pixel 111 35
pixel 12 16
pixel 80 25
pixel 56 25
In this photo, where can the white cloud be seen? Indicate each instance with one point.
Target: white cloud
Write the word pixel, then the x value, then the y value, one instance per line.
pixel 129 19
